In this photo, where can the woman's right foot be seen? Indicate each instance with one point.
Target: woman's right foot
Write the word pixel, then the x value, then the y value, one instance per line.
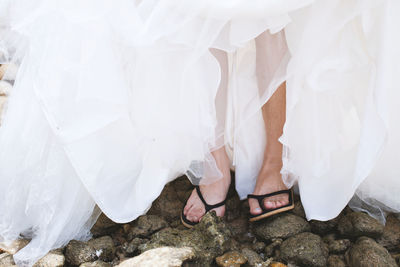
pixel 212 193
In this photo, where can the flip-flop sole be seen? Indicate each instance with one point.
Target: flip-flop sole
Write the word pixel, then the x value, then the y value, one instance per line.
pixel 186 224
pixel 268 214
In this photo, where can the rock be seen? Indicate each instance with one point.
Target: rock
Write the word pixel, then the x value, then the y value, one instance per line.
pixel 240 229
pixel 323 227
pixel 391 234
pixel 209 239
pixel 167 205
pixel 54 258
pixel 356 224
pixel 78 252
pixel 131 248
pixel 339 246
pixel 5 88
pixel 6 260
pixel 14 246
pixel 336 261
pixel 95 264
pixel 258 247
pixel 305 249
pixel 103 226
pixel 183 188
pixel 366 252
pixel 253 259
pixel 232 212
pixel 283 226
pixel 231 259
pixel 271 248
pixel 298 209
pixel 104 247
pixel 162 257
pixel 146 225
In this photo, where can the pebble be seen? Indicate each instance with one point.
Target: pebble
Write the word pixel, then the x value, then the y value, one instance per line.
pixel 231 259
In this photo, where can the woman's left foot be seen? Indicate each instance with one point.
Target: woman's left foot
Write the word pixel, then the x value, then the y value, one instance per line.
pixel 213 193
pixel 269 181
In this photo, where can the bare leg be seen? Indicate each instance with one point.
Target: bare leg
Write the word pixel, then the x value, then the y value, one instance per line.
pixel 216 192
pixel 274 112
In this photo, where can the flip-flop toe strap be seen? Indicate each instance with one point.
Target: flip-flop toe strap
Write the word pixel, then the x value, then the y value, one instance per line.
pixel 260 198
pixel 207 206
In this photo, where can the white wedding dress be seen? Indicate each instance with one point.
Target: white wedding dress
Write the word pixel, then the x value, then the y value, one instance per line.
pixel 113 99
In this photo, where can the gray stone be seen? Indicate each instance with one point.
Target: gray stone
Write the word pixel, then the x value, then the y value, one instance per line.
pixel 231 259
pixel 78 252
pixel 209 239
pixel 104 247
pixel 356 224
pixel 391 234
pixel 160 257
pixel 367 253
pixel 339 246
pixel 252 257
pixel 305 249
pixel 336 261
pixel 146 225
pixel 131 248
pixel 271 248
pixel 283 226
pixel 258 247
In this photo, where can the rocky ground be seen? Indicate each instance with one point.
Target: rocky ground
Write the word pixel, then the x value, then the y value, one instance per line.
pixel 159 239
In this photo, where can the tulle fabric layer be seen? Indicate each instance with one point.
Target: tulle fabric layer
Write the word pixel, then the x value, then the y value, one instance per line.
pixel 113 99
pixel 342 129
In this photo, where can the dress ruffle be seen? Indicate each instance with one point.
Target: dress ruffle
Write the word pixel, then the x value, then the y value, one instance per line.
pixel 112 100
pixel 342 124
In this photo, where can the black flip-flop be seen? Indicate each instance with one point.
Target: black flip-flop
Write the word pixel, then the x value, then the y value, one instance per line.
pixel 208 207
pixel 269 212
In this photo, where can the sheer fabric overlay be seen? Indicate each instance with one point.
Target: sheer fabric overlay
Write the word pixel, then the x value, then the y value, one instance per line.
pixel 113 99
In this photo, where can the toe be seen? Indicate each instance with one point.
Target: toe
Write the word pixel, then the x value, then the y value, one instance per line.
pixel 269 204
pixel 195 213
pixel 187 208
pixel 279 203
pixel 254 207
